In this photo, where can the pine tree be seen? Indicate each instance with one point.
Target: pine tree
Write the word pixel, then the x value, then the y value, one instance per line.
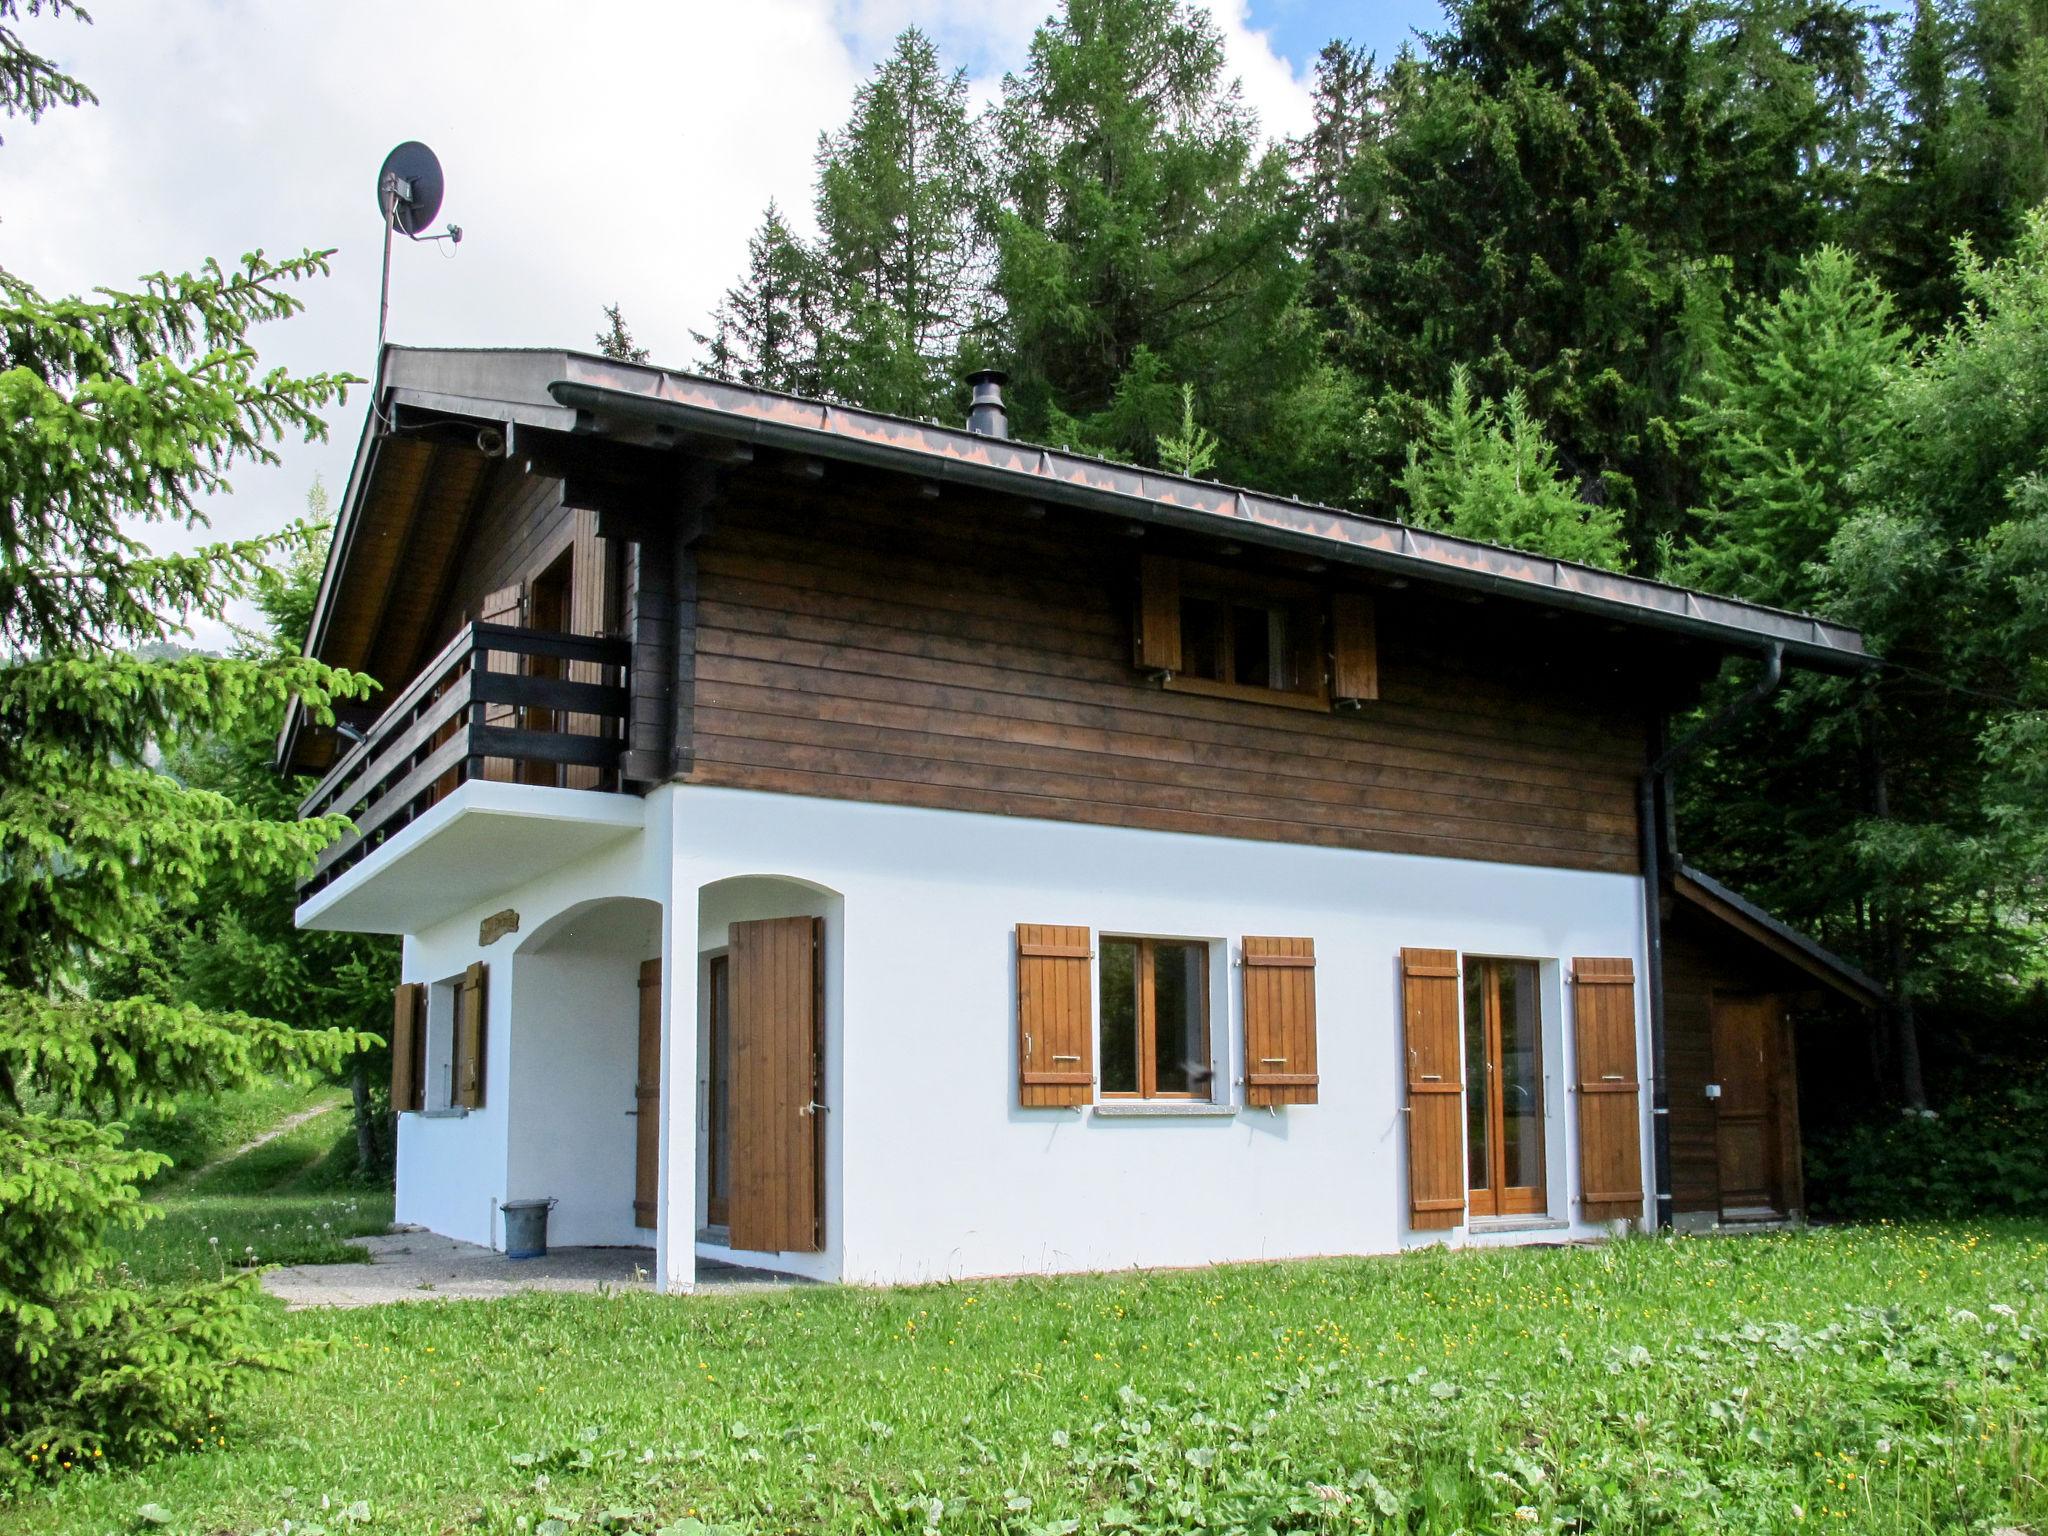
pixel 1547 185
pixel 245 950
pixel 901 245
pixel 1787 417
pixel 1906 818
pixel 616 341
pixel 1965 148
pixel 767 331
pixel 1486 471
pixel 124 410
pixel 1144 240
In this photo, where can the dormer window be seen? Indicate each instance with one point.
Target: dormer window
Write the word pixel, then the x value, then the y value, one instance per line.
pixel 1233 634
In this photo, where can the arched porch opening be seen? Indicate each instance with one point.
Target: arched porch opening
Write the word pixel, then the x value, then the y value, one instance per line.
pixel 578 1040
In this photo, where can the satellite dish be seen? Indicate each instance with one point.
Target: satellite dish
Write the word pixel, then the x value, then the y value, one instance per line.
pixel 409 188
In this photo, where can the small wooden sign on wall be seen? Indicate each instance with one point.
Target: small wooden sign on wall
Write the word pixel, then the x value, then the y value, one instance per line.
pixel 496 926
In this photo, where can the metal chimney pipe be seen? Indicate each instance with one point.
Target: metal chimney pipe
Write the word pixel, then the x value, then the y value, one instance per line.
pixel 986 413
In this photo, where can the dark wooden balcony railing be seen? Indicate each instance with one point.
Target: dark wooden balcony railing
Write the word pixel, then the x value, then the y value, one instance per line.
pixel 516 705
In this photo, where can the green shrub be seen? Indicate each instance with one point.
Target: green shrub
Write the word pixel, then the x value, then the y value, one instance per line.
pixel 1986 1153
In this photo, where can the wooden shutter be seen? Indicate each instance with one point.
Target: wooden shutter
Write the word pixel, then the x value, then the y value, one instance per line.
pixel 1055 1017
pixel 503 606
pixel 777 1179
pixel 1610 1098
pixel 1354 648
pixel 647 1099
pixel 408 1045
pixel 1158 614
pixel 472 1031
pixel 588 601
pixel 1436 1088
pixel 1280 1021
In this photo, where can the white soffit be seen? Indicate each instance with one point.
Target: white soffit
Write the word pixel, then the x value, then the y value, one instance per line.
pixel 484 839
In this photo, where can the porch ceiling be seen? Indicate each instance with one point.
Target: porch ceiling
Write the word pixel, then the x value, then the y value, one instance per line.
pixel 484 839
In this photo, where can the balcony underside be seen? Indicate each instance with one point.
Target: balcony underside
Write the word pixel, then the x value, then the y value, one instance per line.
pixel 482 839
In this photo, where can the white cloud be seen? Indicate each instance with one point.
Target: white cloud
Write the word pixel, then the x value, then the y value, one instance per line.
pixel 599 153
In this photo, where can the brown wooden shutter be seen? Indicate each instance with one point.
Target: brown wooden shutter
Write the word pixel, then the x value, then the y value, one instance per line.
pixel 1280 1021
pixel 777 1031
pixel 408 1042
pixel 1354 648
pixel 504 606
pixel 1610 1098
pixel 1436 1088
pixel 472 1032
pixel 647 1099
pixel 1159 614
pixel 1055 1017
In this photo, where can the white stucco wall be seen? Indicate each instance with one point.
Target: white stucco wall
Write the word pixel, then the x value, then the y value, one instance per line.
pixel 933 1168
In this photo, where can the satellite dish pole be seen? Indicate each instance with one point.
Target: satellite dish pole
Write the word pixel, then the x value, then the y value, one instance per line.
pixel 408 196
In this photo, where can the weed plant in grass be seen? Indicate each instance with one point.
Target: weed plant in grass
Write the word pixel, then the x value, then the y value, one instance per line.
pixel 1873 1379
pixel 292 1200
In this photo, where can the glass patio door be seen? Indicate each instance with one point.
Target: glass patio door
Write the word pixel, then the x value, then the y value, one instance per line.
pixel 1503 1088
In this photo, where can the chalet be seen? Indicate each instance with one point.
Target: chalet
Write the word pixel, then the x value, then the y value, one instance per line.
pixel 879 850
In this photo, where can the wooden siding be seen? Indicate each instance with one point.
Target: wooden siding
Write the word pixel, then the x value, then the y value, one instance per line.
pixel 518 530
pixel 957 656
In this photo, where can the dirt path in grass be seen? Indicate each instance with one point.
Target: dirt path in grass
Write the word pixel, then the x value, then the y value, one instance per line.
pixel 284 1127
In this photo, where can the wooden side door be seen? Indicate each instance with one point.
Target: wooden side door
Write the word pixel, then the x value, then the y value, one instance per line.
pixel 773 967
pixel 647 1099
pixel 1746 1028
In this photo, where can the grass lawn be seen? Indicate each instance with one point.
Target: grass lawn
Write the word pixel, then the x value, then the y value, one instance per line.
pixel 1860 1379
pixel 285 1202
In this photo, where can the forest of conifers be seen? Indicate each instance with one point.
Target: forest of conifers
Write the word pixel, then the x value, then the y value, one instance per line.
pixel 1749 296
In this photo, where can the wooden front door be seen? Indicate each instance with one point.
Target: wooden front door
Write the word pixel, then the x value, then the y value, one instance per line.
pixel 647 1099
pixel 1747 1026
pixel 1503 1089
pixel 774 967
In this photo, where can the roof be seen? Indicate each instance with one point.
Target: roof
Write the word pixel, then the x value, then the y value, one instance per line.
pixel 572 391
pixel 1824 965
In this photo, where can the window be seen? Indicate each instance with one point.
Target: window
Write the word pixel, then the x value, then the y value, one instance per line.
pixel 437 1052
pixel 1242 635
pixel 1155 1019
pixel 1253 644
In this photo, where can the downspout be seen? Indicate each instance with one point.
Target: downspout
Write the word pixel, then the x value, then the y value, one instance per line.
pixel 1653 799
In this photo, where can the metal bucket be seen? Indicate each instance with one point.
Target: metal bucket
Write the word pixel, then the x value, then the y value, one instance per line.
pixel 526 1228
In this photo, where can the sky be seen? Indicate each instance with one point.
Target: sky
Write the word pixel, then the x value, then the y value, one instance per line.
pixel 616 152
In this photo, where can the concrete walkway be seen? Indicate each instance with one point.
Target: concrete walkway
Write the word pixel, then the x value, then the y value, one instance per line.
pixel 411 1265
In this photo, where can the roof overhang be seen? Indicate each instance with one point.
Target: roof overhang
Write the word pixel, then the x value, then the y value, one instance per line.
pixel 1713 898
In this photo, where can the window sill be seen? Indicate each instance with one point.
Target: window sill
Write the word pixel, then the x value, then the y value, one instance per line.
pixel 453 1112
pixel 1179 682
pixel 1160 1109
pixel 1485 1224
